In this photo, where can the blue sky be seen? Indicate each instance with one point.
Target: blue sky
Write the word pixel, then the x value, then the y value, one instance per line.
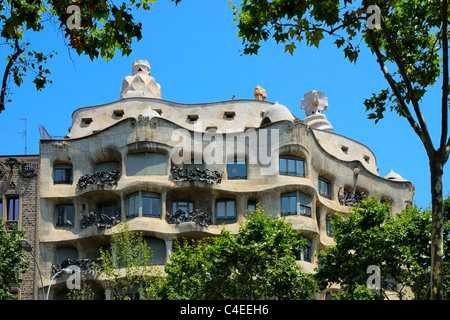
pixel 195 56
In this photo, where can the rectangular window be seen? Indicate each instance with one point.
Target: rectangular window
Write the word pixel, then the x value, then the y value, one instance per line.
pixel 185 206
pixel 63 174
pixel 292 166
pixel 328 226
pixel 13 209
pixel 296 203
pixel 226 210
pixel 109 209
pixel 107 166
pixel 65 216
pixel 237 169
pixel 1 209
pixel 324 187
pixel 150 205
pixel 146 163
pixel 143 204
pixel 251 205
pixel 306 251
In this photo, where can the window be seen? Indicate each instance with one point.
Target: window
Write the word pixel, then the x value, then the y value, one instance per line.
pixel 117 114
pixel 143 204
pixel 184 206
pixel 324 187
pixel 1 208
pixel 226 210
pixel 63 174
pixel 251 205
pixel 229 115
pixel 13 209
pixel 296 203
pixel 65 216
pixel 109 209
pixel 328 226
pixel 107 166
pixel 66 253
pixel 85 122
pixel 192 118
pixel 292 166
pixel 237 169
pixel 146 163
pixel 306 251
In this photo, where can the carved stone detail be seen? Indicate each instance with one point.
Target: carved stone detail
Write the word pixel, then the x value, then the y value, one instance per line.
pixel 350 199
pixel 196 174
pixel 99 220
pixel 179 216
pixel 85 265
pixel 26 169
pixel 100 178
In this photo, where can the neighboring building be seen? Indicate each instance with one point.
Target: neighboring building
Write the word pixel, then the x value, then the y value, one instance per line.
pixel 19 206
pixel 131 159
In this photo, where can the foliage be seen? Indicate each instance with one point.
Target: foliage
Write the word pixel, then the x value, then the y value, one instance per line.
pixel 12 259
pixel 84 293
pixel 409 39
pixel 356 292
pixel 126 264
pixel 398 244
pixel 98 30
pixel 258 262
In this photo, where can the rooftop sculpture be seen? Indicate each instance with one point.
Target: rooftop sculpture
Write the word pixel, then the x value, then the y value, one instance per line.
pixel 314 103
pixel 140 84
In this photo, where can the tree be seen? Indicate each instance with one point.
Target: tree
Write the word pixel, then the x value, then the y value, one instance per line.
pixel 398 244
pixel 12 259
pixel 91 27
pixel 126 266
pixel 408 36
pixel 257 262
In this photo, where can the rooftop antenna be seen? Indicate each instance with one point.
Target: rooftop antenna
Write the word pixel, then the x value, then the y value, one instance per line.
pixel 24 133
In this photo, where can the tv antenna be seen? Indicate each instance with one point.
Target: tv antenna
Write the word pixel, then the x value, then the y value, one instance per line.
pixel 24 133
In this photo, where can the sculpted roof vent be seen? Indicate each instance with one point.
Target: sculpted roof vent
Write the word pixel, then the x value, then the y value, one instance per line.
pixel 140 83
pixel 314 103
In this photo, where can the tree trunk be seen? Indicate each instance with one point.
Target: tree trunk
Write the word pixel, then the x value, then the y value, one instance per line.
pixel 437 249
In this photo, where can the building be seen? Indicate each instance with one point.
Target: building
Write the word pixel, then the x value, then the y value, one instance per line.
pixel 19 206
pixel 151 161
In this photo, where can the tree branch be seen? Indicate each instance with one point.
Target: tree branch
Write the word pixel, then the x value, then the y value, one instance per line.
pixel 425 137
pixel 12 60
pixel 394 87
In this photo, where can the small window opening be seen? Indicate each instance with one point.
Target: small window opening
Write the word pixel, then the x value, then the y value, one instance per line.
pixel 344 149
pixel 85 122
pixel 117 114
pixel 229 115
pixel 192 118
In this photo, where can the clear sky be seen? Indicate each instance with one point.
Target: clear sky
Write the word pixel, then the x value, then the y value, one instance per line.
pixel 195 55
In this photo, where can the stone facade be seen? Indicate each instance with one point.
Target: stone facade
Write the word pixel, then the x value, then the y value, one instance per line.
pixel 188 170
pixel 19 205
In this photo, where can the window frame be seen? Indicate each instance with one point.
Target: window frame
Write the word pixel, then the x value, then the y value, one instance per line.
pixel 324 182
pixel 15 214
pixel 176 204
pixel 148 168
pixel 225 218
pixel 301 206
pixel 61 217
pixel 236 163
pixel 296 160
pixel 113 205
pixel 138 202
pixel 305 253
pixel 64 167
pixel 328 226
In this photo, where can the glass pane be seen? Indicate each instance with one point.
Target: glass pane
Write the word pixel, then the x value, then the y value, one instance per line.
pixel 230 209
pixel 155 207
pixel 70 215
pixel 68 175
pixel 59 175
pixel 293 205
pixel 285 204
pixel 299 169
pixel 107 166
pixel 251 205
pixel 136 164
pixel 291 166
pixel 221 209
pixel 283 166
pixel 146 206
pixel 13 209
pixel 157 163
pixel 130 206
pixel 232 170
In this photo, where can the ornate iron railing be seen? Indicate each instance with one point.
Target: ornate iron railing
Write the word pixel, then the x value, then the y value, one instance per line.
pixel 179 216
pixel 103 178
pixel 196 174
